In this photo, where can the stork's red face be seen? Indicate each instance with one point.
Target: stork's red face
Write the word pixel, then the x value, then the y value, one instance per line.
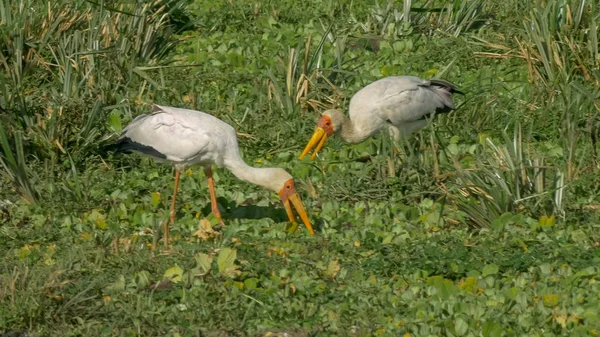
pixel 323 131
pixel 289 197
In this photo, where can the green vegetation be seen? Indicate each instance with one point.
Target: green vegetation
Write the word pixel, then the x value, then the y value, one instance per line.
pixel 486 223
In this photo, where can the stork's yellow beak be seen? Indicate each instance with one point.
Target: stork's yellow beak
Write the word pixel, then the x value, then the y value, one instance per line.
pixel 318 139
pixel 323 131
pixel 290 198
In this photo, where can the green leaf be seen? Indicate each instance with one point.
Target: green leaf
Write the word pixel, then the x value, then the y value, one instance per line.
pixel 448 289
pixel 118 285
pixel 251 283
pixel 115 120
pixel 492 329
pixel 398 45
pixel 503 220
pixel 142 279
pixel 513 292
pixel 155 198
pixel 461 327
pixel 545 269
pixel 453 149
pixel 551 300
pixel 388 239
pixel 226 261
pixel 333 268
pixel 490 269
pixel 204 261
pixel 174 274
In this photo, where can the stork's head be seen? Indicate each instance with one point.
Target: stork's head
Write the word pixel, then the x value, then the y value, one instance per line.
pixel 329 123
pixel 280 181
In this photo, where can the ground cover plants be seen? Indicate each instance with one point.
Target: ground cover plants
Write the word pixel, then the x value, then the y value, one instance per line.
pixel 485 223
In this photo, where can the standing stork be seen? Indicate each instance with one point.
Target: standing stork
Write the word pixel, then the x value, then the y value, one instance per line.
pixel 186 137
pixel 401 104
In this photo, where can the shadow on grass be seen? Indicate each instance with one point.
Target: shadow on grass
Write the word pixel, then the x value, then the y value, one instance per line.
pixel 247 210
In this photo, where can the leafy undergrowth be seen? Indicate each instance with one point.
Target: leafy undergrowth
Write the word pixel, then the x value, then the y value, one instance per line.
pixel 374 268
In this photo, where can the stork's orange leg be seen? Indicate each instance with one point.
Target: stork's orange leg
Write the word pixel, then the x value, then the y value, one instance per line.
pixel 171 210
pixel 213 196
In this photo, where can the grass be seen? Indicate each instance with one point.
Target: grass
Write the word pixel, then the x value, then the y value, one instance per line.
pixel 483 224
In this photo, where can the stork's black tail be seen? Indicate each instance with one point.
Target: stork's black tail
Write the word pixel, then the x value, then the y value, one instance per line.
pixel 447 85
pixel 118 146
pixel 112 147
pixel 127 145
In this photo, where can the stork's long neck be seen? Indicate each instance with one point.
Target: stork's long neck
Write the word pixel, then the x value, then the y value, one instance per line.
pixel 350 133
pixel 245 172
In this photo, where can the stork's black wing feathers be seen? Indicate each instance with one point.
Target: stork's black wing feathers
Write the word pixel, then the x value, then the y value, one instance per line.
pixel 126 145
pixel 447 85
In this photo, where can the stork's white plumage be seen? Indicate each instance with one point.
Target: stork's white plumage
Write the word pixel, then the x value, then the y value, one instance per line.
pixel 188 137
pixel 400 104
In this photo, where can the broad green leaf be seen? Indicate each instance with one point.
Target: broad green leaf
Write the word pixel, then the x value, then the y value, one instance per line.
pixel 551 300
pixel 333 268
pixel 204 261
pixel 388 239
pixel 226 258
pixel 426 203
pixel 429 73
pixel 503 220
pixel 398 45
pixel 453 149
pixel 490 269
pixel 155 198
pixel 118 285
pixel 251 283
pixel 174 274
pixel 115 120
pixel 461 327
pixel 513 292
pixel 448 289
pixel 226 263
pixel 142 279
pixel 545 269
pixel 469 284
pixel 491 329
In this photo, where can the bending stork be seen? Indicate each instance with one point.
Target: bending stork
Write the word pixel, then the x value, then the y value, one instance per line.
pixel 401 104
pixel 188 137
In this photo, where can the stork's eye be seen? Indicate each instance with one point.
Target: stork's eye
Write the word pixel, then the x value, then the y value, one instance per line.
pixel 327 123
pixel 288 187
